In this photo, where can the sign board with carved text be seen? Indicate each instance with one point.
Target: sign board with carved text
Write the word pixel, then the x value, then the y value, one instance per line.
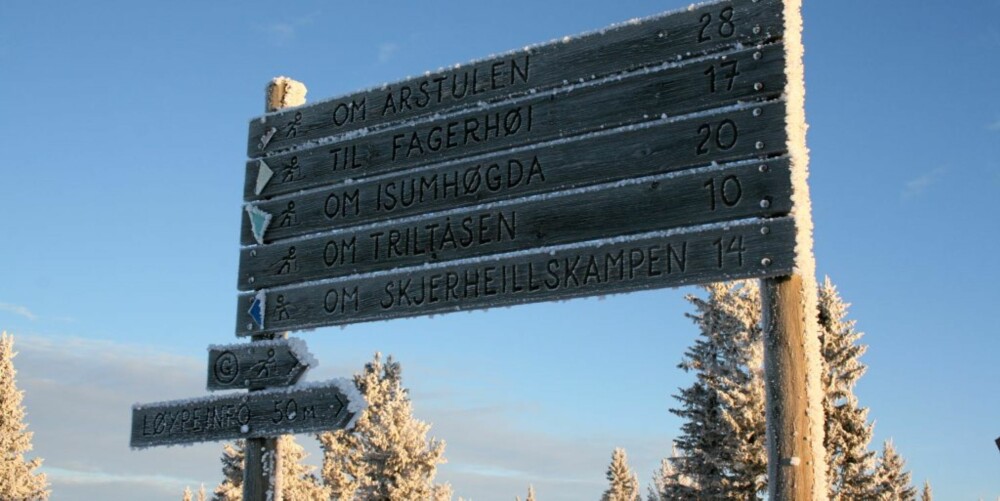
pixel 649 154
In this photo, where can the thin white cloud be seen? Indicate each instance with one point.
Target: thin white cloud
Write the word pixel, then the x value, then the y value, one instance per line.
pixel 80 477
pixel 995 126
pixel 78 395
pixel 18 310
pixel 920 184
pixel 386 51
pixel 282 33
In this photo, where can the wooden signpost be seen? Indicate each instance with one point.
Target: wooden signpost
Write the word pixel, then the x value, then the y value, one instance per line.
pixel 657 153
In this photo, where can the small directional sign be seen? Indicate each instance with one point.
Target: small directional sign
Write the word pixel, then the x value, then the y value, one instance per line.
pixel 330 405
pixel 259 365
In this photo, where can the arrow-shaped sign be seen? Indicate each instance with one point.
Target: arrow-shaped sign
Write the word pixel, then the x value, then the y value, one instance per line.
pixel 326 406
pixel 263 364
pixel 264 174
pixel 258 222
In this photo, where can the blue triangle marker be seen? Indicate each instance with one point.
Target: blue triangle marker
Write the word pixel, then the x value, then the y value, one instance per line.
pixel 257 309
pixel 258 222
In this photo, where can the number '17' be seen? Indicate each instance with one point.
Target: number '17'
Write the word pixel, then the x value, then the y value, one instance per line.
pixel 727 72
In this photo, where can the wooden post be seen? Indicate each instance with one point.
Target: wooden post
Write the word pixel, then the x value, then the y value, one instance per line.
pixel 796 457
pixel 791 460
pixel 262 456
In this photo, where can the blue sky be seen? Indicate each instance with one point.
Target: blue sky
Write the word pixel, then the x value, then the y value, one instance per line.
pixel 123 129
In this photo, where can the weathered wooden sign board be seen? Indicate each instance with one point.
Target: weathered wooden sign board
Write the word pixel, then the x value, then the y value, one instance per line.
pixel 678 36
pixel 300 409
pixel 751 130
pixel 667 134
pixel 669 90
pixel 253 366
pixel 712 253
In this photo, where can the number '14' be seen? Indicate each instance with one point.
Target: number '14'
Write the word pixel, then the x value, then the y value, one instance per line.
pixel 729 249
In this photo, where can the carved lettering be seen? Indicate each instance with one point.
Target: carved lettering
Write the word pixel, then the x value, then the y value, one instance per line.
pixel 478 229
pixel 495 124
pixel 580 271
pixel 473 181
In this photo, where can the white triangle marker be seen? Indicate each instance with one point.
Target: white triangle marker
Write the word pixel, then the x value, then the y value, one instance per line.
pixel 266 138
pixel 258 222
pixel 264 174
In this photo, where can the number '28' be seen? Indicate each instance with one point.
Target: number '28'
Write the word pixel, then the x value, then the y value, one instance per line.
pixel 725 29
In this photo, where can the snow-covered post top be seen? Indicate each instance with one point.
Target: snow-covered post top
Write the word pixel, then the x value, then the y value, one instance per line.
pixel 283 92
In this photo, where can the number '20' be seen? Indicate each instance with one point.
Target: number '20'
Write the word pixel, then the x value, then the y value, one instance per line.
pixel 722 135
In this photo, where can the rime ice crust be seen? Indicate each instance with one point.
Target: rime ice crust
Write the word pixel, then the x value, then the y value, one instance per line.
pixel 802 212
pixel 283 92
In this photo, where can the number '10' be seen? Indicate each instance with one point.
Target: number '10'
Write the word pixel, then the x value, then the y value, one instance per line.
pixel 729 191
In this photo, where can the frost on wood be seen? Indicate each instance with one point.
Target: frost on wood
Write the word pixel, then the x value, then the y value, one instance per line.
pixel 283 92
pixel 388 455
pixel 18 479
pixel 805 261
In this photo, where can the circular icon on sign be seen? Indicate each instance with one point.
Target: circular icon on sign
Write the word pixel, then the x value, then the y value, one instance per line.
pixel 226 368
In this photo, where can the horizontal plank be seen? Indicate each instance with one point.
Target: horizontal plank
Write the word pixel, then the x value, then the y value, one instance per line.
pixel 722 80
pixel 661 202
pixel 268 413
pixel 679 35
pixel 255 366
pixel 736 250
pixel 557 165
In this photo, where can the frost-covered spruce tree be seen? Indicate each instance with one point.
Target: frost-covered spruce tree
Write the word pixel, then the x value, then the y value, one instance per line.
pixel 722 440
pixel 657 488
pixel 18 480
pixel 623 483
pixel 531 495
pixel 387 456
pixel 231 487
pixel 892 482
pixel 298 480
pixel 847 432
pixel 669 484
pixel 925 494
pixel 187 495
